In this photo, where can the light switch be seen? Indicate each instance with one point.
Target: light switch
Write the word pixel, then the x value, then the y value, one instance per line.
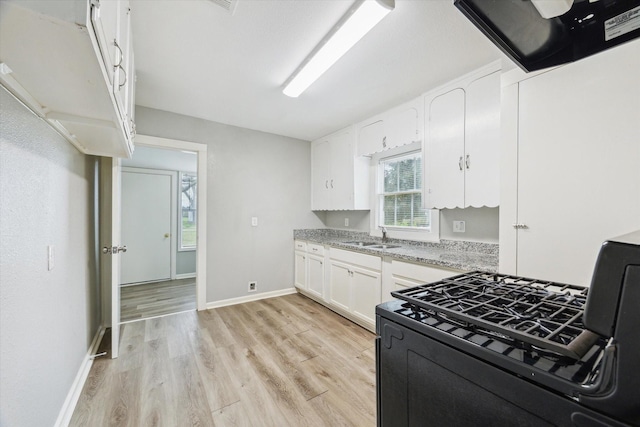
pixel 254 221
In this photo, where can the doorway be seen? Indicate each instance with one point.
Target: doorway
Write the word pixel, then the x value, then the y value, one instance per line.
pixel 157 234
pixel 111 237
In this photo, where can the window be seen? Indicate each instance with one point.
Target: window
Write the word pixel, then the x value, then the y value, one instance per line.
pixel 188 199
pixel 400 193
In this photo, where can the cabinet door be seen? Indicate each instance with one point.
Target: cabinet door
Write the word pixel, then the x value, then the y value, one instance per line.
pixel 482 142
pixel 341 185
pixel 366 293
pixel 401 128
pixel 124 83
pixel 320 157
pixel 445 151
pixel 578 156
pixel 339 284
pixel 104 17
pixel 371 138
pixel 300 270
pixel 315 280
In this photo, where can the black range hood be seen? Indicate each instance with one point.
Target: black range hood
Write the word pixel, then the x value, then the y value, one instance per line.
pixel 534 43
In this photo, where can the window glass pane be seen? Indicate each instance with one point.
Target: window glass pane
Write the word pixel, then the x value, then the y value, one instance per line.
pixel 421 216
pixel 400 205
pixel 390 177
pixel 389 210
pixel 188 211
pixel 403 210
pixel 407 174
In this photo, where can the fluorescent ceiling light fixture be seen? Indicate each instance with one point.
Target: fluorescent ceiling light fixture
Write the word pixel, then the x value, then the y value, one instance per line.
pixel 552 8
pixel 358 21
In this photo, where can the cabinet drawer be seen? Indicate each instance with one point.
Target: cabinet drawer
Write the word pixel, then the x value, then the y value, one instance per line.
pixel 420 273
pixel 299 245
pixel 354 258
pixel 314 248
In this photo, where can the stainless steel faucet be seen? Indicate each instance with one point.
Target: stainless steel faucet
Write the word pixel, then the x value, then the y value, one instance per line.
pixel 384 234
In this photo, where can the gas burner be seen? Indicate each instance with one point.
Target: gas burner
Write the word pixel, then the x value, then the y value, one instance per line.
pixel 547 315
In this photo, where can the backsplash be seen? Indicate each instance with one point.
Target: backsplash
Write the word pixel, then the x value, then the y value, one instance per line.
pixel 453 245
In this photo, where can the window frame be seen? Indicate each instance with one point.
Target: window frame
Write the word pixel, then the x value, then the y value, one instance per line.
pixel 181 247
pixel 430 234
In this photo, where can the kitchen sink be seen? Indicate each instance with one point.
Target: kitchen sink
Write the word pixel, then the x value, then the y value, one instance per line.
pixel 384 246
pixel 361 243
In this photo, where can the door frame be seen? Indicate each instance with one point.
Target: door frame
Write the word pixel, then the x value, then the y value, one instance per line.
pixel 201 208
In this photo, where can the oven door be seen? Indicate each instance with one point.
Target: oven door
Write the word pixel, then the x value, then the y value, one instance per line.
pixel 423 382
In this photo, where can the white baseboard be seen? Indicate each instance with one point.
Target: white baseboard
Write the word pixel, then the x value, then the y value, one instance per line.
pixel 249 298
pixel 64 417
pixel 185 276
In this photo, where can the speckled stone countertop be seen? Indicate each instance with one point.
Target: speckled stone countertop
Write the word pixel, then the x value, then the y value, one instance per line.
pixel 460 255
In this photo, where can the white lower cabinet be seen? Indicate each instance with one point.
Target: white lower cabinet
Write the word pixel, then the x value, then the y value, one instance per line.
pixel 315 275
pixel 365 292
pixel 355 282
pixel 301 265
pixel 352 283
pixel 402 275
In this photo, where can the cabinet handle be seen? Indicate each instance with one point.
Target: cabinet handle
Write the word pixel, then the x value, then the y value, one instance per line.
pixel 125 75
pixel 331 183
pixel 115 43
pixel 520 226
pixel 384 142
pixel 320 262
pixel 468 161
pixel 460 163
pixel 326 184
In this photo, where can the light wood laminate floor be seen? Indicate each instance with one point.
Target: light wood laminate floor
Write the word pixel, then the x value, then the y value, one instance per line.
pixel 284 361
pixel 157 299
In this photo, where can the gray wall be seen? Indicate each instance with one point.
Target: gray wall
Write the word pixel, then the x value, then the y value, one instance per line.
pixel 47 318
pixel 250 174
pixel 481 224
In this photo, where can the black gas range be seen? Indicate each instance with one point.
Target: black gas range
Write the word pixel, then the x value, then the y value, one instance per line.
pixel 486 349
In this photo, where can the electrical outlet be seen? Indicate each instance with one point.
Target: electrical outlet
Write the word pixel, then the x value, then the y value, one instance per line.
pixel 458 226
pixel 253 286
pixel 254 221
pixel 346 222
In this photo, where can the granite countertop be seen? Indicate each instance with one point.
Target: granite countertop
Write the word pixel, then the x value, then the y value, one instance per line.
pixel 460 255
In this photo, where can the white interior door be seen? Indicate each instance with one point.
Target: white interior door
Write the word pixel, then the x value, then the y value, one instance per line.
pixel 110 245
pixel 148 201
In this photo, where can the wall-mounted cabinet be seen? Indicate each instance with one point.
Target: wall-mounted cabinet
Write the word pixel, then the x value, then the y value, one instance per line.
pixel 569 174
pixel 397 127
pixel 462 122
pixel 72 64
pixel 339 179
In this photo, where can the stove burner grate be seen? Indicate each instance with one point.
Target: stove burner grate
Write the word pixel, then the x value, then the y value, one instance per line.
pixel 544 314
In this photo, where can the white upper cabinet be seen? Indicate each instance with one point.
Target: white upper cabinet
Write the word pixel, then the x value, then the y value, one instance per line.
pixel 445 151
pixel 71 62
pixel 570 153
pixel 461 147
pixel 339 180
pixel 394 128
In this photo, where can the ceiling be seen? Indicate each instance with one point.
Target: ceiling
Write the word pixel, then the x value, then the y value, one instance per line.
pixel 195 58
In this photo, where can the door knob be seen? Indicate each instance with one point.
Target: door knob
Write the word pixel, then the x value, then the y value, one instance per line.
pixel 166 235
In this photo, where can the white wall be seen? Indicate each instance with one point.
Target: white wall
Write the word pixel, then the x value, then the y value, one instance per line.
pixel 47 318
pixel 249 173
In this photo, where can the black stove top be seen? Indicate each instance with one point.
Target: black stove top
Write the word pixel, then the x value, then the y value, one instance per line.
pixel 546 315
